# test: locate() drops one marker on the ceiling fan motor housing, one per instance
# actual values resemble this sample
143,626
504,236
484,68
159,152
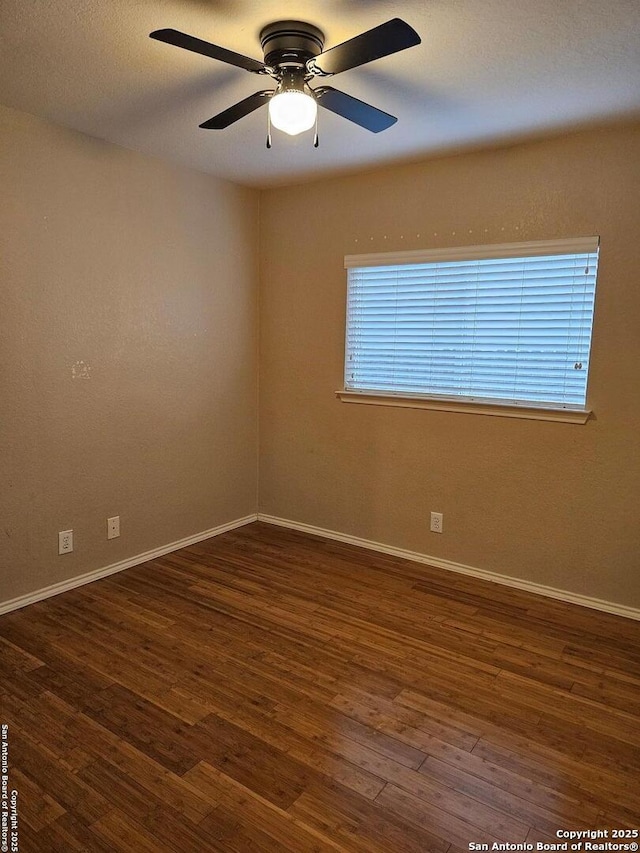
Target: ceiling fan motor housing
290,44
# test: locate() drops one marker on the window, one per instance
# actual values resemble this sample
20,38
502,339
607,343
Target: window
508,324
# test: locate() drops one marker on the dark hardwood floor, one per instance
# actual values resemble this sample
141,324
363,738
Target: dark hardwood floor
272,691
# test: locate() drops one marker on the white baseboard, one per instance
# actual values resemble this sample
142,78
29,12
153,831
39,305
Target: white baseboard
80,580
414,556
438,562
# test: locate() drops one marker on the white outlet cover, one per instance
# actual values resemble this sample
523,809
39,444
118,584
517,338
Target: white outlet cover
65,541
113,527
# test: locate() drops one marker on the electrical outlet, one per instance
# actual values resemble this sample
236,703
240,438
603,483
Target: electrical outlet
436,522
65,541
113,527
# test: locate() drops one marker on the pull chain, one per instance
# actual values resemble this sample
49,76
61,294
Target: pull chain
315,136
268,129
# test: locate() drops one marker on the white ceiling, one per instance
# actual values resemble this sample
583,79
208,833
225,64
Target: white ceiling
487,70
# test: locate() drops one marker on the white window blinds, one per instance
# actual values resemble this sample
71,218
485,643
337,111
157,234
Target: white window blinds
508,323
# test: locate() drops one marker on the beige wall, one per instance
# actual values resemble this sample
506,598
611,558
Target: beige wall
552,503
148,274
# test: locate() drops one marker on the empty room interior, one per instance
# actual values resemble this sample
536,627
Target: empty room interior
319,444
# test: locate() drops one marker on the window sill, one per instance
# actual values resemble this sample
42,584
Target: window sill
501,410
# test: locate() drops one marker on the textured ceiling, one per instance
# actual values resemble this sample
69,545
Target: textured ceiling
486,71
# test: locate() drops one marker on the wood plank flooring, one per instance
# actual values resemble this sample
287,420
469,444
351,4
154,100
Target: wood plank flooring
272,691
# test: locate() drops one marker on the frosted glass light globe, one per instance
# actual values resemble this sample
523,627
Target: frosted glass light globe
293,112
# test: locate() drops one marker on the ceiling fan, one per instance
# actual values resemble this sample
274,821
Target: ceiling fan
293,56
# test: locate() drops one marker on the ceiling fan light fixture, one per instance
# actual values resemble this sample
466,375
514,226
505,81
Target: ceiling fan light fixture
293,55
292,111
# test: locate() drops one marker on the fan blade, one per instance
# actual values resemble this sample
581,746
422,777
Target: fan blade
381,41
371,118
238,111
207,49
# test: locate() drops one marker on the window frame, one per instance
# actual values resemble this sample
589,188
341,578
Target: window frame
569,413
